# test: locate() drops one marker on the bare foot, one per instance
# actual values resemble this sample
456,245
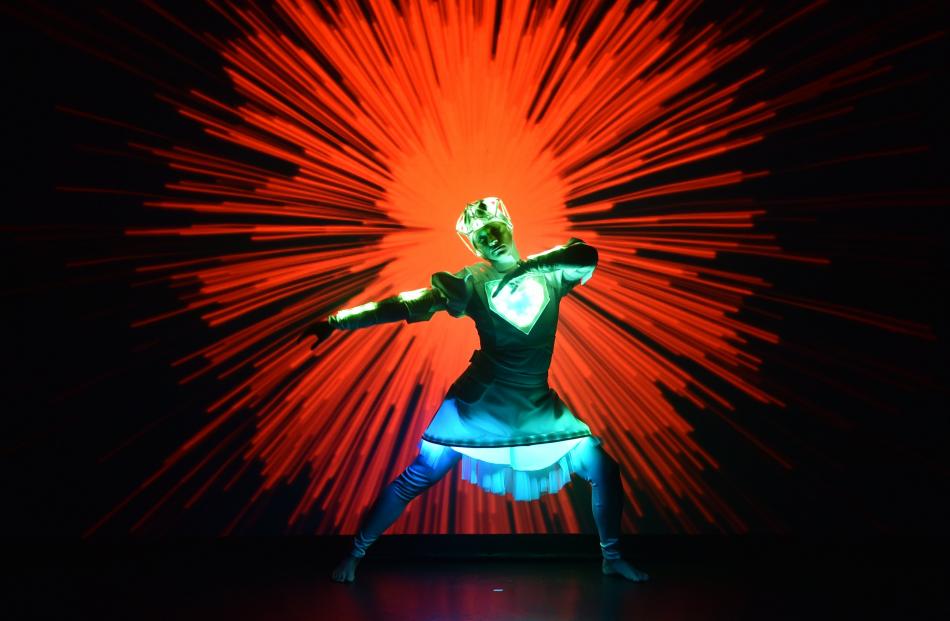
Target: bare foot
623,569
346,570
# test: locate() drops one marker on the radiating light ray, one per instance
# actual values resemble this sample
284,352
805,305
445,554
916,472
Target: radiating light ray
390,123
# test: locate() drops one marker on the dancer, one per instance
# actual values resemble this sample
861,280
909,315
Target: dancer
500,418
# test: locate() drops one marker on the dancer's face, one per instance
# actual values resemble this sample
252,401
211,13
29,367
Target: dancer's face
493,241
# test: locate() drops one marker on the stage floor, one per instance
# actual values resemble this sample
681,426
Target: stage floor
274,579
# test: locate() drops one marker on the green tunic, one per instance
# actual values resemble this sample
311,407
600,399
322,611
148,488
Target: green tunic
503,398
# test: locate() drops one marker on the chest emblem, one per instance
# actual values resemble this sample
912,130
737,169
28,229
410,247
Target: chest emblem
522,307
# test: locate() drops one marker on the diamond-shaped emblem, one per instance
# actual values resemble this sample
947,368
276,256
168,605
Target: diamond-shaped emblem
523,306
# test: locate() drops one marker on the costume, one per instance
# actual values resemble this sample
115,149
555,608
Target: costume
514,432
500,417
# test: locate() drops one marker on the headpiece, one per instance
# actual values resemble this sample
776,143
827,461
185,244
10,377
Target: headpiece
479,213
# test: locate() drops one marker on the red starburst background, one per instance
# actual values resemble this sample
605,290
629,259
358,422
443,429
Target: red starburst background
340,148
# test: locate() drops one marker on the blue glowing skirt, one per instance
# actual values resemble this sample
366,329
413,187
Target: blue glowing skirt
515,434
523,472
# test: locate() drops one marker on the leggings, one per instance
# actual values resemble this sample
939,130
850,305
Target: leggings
596,467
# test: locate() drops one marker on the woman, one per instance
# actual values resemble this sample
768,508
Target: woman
500,418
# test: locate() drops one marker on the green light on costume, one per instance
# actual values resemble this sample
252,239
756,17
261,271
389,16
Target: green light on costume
415,294
546,252
356,310
523,306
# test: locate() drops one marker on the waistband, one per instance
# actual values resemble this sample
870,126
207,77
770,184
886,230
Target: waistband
493,370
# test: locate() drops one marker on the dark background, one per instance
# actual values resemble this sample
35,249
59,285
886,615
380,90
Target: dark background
92,407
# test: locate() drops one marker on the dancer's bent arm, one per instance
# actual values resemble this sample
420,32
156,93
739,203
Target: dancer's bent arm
575,260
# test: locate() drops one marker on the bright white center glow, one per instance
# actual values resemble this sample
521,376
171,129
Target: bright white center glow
521,307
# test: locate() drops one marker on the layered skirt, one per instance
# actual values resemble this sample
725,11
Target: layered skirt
515,435
509,477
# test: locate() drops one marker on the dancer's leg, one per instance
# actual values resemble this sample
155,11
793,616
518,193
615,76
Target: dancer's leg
389,505
606,491
415,479
603,474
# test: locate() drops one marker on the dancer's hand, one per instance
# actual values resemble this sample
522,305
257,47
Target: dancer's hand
513,277
320,329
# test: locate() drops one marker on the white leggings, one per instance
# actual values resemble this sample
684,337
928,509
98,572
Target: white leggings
597,468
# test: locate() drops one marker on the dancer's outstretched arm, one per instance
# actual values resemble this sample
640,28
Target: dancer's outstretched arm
411,306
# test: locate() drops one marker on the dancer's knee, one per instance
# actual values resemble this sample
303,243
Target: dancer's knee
414,480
